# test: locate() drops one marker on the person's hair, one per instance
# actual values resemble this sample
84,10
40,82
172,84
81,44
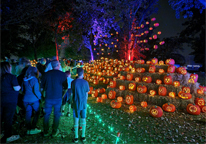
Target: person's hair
54,58
43,61
54,63
67,73
31,71
80,71
5,68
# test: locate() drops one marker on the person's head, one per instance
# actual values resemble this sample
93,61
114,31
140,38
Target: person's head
80,72
31,72
5,68
24,61
68,73
55,64
54,58
43,61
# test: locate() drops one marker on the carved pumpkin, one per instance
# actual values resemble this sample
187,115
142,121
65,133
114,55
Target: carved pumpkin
115,104
120,99
190,80
158,81
161,71
105,81
104,96
132,108
167,80
132,86
203,87
90,90
168,107
154,61
137,79
147,79
129,77
194,77
152,69
171,69
162,91
141,70
99,99
114,78
181,70
184,95
112,94
121,87
199,101
152,92
156,111
144,104
126,69
122,77
129,99
193,109
203,108
94,93
172,94
141,89
186,89
161,62
170,61
176,83
113,84
200,91
101,90
148,62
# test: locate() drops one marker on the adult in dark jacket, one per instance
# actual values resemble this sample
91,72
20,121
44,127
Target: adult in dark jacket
31,98
9,96
53,82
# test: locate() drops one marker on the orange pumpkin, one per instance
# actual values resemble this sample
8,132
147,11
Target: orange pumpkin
167,80
152,92
171,69
203,108
170,61
112,94
101,90
121,87
161,71
144,104
156,111
129,77
113,84
132,86
158,81
161,62
162,91
132,108
122,77
90,90
199,101
154,61
141,89
141,70
152,69
193,109
194,77
172,94
168,107
186,89
137,79
120,99
184,95
147,79
104,96
105,81
200,91
129,99
94,93
99,99
148,62
176,83
115,104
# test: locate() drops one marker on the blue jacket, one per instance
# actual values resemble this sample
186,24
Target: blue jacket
31,90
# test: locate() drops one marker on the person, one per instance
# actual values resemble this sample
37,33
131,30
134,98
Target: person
9,96
67,96
80,89
49,66
32,96
23,62
41,66
53,82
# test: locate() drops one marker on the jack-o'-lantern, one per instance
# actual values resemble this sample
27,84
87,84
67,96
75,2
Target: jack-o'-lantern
90,90
171,69
199,101
147,79
113,84
190,80
104,96
105,81
141,89
183,95
152,92
121,87
194,77
148,62
170,62
172,94
161,62
203,87
144,104
137,79
101,79
152,69
120,99
168,107
129,77
132,108
101,90
186,89
129,99
176,83
94,93
95,82
200,91
193,109
114,78
99,99
115,104
141,70
161,71
162,91
132,86
203,108
158,81
122,77
125,69
112,94
133,70
156,111
167,80
154,61
181,70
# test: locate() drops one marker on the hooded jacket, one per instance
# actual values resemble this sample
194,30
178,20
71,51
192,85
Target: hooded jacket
31,90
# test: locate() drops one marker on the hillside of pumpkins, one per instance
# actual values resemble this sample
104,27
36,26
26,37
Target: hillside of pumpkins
145,102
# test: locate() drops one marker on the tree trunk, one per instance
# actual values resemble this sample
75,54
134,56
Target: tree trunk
56,43
91,44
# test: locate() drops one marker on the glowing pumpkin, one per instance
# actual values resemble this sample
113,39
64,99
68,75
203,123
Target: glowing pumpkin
168,107
156,111
148,62
162,91
101,90
154,61
171,69
152,69
147,79
170,62
104,96
137,79
161,62
200,91
184,95
113,84
144,104
161,71
186,89
172,94
94,93
199,101
121,87
120,99
193,109
203,108
112,94
99,99
132,86
90,90
176,83
152,92
129,99
132,108
194,77
115,104
122,77
141,70
167,80
141,89
129,77
158,81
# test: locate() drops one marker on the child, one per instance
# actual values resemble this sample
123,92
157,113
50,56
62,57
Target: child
67,97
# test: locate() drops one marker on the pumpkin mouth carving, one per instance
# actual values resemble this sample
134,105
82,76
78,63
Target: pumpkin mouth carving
193,109
154,112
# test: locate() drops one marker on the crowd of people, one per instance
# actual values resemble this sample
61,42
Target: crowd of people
36,89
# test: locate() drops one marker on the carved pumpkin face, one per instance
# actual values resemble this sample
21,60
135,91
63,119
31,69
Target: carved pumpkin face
191,80
137,79
172,94
183,95
199,101
171,69
132,108
129,77
112,84
115,104
144,104
148,62
133,70
154,61
95,82
203,108
176,83
94,93
122,77
147,79
112,94
170,62
194,77
129,99
193,109
168,80
101,90
158,81
141,70
168,107
186,89
161,71
121,87
156,111
99,99
152,69
162,91
141,89
104,96
120,99
200,91
132,86
152,92
90,90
